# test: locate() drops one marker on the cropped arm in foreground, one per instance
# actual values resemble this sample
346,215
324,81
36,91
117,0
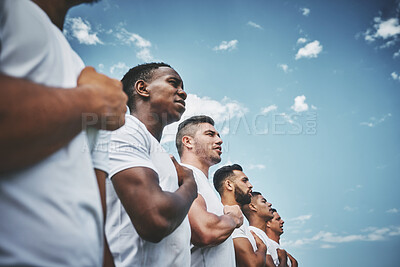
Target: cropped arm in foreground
209,229
154,213
246,256
37,120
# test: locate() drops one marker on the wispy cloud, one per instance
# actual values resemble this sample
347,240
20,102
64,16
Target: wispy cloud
305,11
133,39
374,121
81,30
221,111
394,210
284,67
395,76
311,50
254,25
350,209
328,238
301,218
226,45
256,166
269,109
299,104
301,40
119,69
396,54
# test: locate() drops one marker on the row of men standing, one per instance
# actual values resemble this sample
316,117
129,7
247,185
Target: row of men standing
158,212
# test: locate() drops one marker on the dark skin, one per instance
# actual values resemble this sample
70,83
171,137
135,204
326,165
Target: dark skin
38,120
156,213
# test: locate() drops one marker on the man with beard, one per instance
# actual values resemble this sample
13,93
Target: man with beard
258,212
199,147
234,188
274,230
49,198
149,194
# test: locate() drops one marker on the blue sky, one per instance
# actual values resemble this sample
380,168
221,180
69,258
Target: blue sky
305,94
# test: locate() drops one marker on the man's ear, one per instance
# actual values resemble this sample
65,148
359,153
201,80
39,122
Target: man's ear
252,207
268,224
229,185
187,141
141,88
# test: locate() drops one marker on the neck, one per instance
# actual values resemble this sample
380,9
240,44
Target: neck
273,236
229,199
56,10
258,222
153,124
191,159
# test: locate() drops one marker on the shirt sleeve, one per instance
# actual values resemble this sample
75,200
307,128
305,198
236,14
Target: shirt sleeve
100,151
129,147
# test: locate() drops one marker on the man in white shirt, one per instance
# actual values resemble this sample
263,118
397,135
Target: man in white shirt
258,212
211,223
274,230
235,188
49,198
149,194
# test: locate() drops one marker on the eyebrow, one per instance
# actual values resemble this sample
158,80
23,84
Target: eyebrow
176,79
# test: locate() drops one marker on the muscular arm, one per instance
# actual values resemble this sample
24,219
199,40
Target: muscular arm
101,176
154,213
37,120
246,256
207,228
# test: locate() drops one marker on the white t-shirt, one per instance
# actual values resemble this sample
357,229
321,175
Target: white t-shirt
51,210
133,146
272,246
224,253
244,231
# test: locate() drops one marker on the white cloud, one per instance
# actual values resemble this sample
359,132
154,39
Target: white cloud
327,246
268,109
254,25
81,30
374,121
395,76
314,107
221,111
394,210
326,239
388,30
256,166
305,11
299,104
311,50
301,40
119,69
225,45
140,43
350,209
301,218
284,67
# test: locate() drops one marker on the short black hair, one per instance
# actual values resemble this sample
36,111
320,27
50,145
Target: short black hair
140,72
224,173
186,128
273,210
255,193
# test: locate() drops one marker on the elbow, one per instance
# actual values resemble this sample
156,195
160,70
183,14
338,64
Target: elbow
154,230
203,239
